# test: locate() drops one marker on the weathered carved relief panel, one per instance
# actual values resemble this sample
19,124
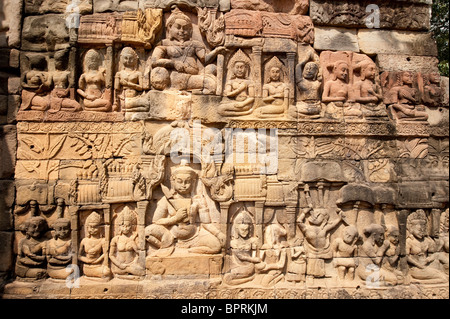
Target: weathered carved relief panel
213,143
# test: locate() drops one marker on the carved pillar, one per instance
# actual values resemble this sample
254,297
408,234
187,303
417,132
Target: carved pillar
259,215
220,71
290,213
257,69
291,74
75,231
224,211
141,210
107,220
402,219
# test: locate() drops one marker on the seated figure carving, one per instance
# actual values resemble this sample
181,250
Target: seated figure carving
93,249
406,106
36,84
124,251
244,264
421,251
92,84
181,220
239,93
182,63
31,259
129,84
367,92
62,96
59,250
336,92
344,253
275,91
309,84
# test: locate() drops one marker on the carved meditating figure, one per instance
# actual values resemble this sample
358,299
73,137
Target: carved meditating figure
93,251
274,255
36,85
406,100
432,92
344,253
239,92
182,63
371,256
124,251
92,84
182,220
59,250
63,95
367,92
275,91
31,261
244,262
129,84
317,230
420,251
336,92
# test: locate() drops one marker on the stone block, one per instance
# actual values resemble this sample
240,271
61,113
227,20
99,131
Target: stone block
404,62
396,42
45,33
336,39
6,256
8,151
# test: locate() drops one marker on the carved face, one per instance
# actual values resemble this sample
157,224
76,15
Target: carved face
378,237
275,74
92,229
181,30
240,70
418,229
350,234
92,62
126,227
311,70
435,78
407,78
182,183
341,71
35,227
370,71
128,60
243,230
393,237
317,216
62,231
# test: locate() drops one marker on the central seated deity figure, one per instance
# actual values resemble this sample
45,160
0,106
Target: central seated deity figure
181,220
182,63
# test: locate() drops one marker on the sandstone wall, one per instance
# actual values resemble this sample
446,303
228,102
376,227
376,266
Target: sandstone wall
222,149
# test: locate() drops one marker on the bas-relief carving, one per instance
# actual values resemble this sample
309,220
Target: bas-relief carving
139,215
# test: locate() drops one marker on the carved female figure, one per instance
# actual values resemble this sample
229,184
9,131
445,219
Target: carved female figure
183,216
367,91
275,91
309,84
59,250
392,255
61,99
296,268
443,242
243,261
30,262
432,91
274,255
336,91
36,85
372,253
239,90
91,86
406,99
124,251
93,249
344,253
129,84
184,58
420,250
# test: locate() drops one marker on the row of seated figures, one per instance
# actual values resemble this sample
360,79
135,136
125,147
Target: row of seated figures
184,237
334,85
